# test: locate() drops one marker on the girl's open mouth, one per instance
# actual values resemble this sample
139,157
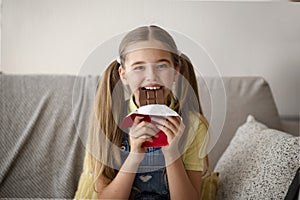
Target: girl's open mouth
152,88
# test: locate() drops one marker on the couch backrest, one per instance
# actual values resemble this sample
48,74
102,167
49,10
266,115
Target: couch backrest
44,127
244,96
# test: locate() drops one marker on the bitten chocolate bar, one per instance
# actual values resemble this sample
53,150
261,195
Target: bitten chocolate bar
151,97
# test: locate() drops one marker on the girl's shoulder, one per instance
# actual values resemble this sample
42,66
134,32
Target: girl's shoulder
197,119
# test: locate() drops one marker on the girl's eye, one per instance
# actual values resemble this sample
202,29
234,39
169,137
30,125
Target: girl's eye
162,66
139,67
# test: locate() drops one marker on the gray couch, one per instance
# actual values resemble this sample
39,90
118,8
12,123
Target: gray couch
44,128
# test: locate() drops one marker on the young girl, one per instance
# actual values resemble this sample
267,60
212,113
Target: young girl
117,164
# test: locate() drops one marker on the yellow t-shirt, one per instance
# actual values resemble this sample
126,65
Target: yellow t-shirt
193,156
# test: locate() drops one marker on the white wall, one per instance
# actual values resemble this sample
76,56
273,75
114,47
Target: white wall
243,38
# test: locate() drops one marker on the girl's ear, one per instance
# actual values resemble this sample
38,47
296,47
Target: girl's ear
122,75
177,68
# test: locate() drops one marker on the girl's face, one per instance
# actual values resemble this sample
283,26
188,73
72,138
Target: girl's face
148,69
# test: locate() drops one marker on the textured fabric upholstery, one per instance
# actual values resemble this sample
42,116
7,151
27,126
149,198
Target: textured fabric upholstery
41,151
244,96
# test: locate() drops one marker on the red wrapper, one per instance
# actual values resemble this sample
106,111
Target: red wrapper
146,112
159,141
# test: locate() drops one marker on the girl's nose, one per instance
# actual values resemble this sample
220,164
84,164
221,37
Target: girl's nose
151,74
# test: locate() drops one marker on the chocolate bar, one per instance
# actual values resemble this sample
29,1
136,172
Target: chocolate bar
151,97
146,97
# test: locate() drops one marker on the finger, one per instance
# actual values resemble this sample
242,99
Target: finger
170,135
158,120
144,128
142,139
172,123
148,125
145,131
137,120
137,144
163,122
143,136
174,120
171,127
177,123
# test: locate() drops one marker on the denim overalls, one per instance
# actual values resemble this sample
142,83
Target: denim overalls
151,180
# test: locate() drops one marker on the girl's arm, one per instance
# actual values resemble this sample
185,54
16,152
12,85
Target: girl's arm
183,184
120,186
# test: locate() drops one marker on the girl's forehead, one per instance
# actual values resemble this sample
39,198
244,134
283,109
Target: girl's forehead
151,44
148,55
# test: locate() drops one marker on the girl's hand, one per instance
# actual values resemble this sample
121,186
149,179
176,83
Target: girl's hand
140,132
173,128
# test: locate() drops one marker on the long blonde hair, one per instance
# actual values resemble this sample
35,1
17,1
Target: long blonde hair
108,111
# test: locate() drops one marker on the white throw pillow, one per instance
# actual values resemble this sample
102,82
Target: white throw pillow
259,163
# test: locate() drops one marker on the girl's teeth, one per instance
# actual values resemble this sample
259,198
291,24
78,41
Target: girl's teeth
152,88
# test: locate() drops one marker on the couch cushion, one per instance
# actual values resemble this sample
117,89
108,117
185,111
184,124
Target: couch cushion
259,163
244,96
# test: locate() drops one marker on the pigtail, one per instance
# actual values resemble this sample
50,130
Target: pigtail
104,130
188,87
